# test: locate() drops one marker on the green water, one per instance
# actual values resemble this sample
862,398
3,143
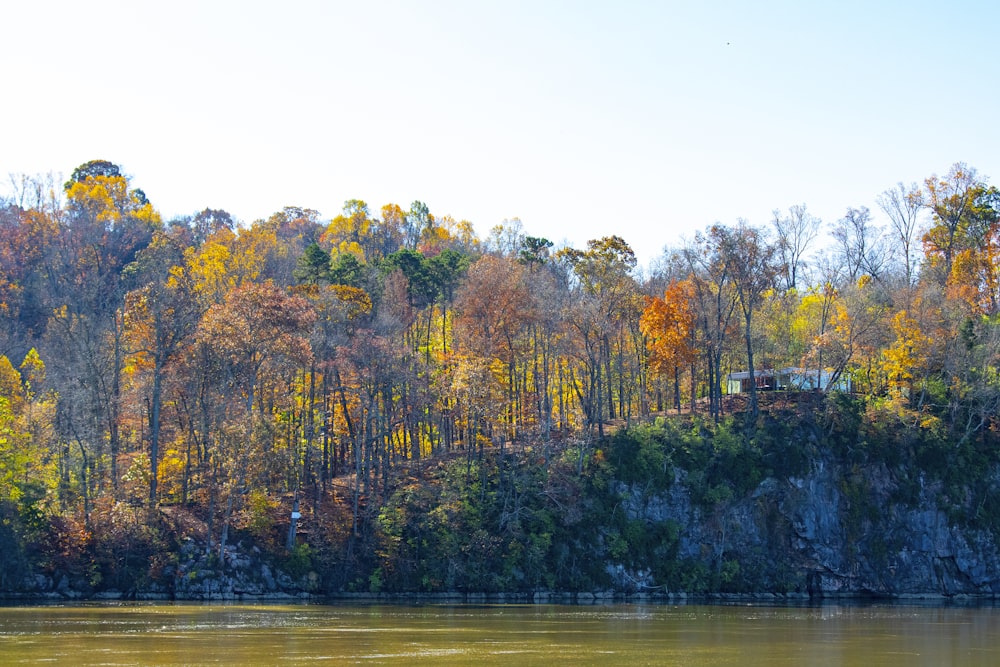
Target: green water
347,634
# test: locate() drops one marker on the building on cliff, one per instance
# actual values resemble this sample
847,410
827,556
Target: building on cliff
787,379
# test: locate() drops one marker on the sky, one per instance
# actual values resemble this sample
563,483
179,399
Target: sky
649,120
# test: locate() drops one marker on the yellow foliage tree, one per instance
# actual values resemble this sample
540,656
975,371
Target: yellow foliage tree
10,385
901,358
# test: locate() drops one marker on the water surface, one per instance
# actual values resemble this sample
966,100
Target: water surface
349,634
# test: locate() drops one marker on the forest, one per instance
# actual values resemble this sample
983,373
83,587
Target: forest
199,368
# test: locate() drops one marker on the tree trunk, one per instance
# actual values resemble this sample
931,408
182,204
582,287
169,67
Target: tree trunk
753,380
154,427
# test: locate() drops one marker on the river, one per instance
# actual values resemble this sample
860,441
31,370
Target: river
437,634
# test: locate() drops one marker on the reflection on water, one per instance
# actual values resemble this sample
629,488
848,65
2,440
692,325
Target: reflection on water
192,634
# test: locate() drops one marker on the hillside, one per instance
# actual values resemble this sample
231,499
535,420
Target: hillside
452,413
822,496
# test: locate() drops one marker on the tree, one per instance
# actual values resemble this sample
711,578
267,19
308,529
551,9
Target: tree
313,267
962,211
93,169
668,324
228,260
796,232
607,300
860,245
27,240
901,359
257,324
89,271
494,309
159,317
750,260
548,285
347,269
446,270
15,457
814,320
388,232
902,205
420,283
716,301
293,229
858,333
115,221
506,239
418,222
351,230
37,192
534,250
259,327
962,245
209,222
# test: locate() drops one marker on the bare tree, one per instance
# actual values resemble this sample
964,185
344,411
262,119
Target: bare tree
903,205
39,191
796,232
716,302
860,245
506,239
745,249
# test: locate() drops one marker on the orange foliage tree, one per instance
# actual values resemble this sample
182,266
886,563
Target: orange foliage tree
668,324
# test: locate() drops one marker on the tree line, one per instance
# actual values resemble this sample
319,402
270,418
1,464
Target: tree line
197,360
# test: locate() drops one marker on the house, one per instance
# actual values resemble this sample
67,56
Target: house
786,379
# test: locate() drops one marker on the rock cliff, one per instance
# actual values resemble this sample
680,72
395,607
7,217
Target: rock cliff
835,531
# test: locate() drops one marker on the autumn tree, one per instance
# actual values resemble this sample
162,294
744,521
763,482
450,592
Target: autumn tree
494,310
15,455
813,320
971,362
159,316
258,329
341,310
350,232
93,169
294,229
104,227
858,333
668,324
257,324
388,232
607,298
962,211
209,222
229,260
549,293
26,250
901,359
962,245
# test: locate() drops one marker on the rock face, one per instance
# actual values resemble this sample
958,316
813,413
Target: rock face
197,575
834,532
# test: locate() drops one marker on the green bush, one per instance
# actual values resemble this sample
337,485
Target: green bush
299,561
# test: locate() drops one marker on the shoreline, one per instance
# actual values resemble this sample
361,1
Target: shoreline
525,598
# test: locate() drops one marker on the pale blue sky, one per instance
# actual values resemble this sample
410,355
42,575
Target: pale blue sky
649,120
